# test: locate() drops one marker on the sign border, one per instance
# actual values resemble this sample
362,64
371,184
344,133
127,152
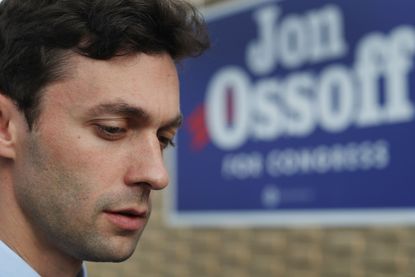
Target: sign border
254,219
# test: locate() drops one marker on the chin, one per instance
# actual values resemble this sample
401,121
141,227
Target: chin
117,259
109,257
115,252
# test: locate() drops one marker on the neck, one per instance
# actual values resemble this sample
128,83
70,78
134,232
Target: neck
22,237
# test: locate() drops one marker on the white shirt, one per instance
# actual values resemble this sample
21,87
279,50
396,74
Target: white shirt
12,265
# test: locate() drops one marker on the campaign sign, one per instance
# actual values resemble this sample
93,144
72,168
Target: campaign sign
302,112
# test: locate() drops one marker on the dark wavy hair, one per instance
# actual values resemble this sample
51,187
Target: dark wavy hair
37,35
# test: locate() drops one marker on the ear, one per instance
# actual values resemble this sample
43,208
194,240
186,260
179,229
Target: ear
10,117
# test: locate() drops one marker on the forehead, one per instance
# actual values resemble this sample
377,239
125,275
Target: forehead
146,81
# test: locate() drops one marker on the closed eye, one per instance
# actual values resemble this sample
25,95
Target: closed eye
110,132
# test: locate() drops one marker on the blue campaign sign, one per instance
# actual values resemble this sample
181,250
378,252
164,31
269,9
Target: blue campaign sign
302,112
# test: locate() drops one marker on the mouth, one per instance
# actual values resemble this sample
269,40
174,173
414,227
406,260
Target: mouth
127,219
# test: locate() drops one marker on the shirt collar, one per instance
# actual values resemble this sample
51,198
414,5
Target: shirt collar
12,264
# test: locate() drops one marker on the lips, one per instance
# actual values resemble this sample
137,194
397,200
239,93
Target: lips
129,219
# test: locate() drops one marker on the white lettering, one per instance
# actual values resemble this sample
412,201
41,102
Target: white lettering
299,102
371,66
260,53
242,166
315,36
366,155
267,117
402,49
231,82
293,42
374,91
336,99
326,27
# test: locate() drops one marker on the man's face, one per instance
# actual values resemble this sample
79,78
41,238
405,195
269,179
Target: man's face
83,175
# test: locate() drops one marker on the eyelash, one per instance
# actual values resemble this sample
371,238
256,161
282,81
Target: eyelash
166,142
110,132
113,133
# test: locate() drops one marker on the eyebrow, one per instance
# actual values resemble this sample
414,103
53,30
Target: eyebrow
133,112
174,123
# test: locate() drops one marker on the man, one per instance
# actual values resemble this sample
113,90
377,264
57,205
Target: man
89,100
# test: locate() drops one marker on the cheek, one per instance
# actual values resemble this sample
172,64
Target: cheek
49,193
55,169
77,150
99,164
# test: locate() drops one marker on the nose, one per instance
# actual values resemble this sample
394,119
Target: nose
147,165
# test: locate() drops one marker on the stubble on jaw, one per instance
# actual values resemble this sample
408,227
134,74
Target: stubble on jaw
55,200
